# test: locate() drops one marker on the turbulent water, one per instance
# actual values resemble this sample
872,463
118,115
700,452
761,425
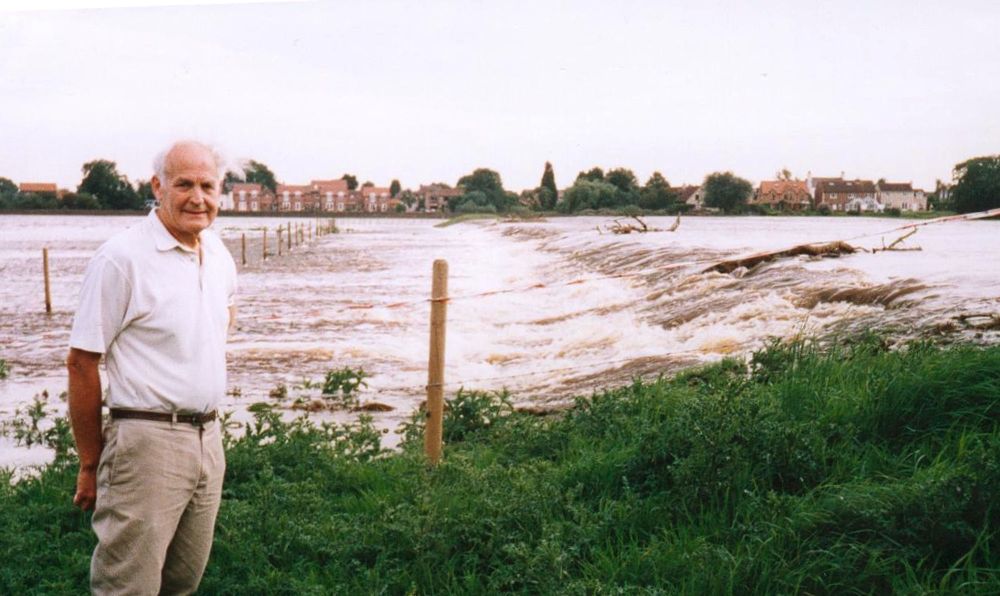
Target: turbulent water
546,309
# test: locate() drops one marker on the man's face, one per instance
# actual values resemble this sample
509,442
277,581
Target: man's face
189,197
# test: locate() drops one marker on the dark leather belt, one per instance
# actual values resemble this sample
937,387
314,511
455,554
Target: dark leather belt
197,419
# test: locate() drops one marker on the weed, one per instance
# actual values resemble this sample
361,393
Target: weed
341,386
4,369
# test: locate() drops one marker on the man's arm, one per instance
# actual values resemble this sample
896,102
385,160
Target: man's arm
85,418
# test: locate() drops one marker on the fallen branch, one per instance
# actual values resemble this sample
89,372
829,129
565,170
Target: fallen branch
831,249
893,245
642,227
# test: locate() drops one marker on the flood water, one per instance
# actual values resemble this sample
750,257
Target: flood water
546,309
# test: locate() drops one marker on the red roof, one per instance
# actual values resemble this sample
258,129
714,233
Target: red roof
330,185
39,187
783,186
294,188
846,186
897,186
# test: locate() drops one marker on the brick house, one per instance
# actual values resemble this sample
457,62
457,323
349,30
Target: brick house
40,188
248,197
331,195
375,199
790,195
902,196
838,194
435,196
296,197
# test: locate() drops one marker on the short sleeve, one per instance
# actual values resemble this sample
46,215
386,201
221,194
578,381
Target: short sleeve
104,300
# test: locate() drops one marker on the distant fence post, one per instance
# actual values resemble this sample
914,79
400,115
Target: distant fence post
289,228
435,363
243,248
263,250
45,268
279,240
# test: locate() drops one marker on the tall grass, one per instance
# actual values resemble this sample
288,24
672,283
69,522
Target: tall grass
841,469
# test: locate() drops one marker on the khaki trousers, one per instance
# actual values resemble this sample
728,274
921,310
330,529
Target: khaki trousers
159,486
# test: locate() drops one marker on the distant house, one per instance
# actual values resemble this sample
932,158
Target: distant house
783,195
332,195
685,192
376,199
295,197
696,198
40,188
247,197
435,196
902,196
838,194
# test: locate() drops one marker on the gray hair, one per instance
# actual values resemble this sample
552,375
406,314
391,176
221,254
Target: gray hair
160,162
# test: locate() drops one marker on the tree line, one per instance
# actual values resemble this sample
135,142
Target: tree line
976,187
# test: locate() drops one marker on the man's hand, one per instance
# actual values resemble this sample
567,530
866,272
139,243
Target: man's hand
86,489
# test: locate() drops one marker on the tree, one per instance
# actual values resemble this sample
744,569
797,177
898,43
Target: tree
489,183
254,172
7,187
588,194
394,188
145,191
623,179
726,191
977,184
73,200
593,174
352,181
368,184
783,174
547,201
113,190
657,194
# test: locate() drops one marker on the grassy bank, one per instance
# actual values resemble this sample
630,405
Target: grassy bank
847,469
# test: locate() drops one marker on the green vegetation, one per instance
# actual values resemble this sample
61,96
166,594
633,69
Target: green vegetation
4,369
850,468
483,192
594,190
977,184
254,172
727,192
341,385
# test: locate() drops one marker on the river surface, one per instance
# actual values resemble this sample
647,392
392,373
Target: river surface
546,309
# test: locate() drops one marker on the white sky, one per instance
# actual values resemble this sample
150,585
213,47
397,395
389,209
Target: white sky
429,90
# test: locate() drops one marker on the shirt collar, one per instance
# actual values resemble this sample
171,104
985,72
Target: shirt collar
161,236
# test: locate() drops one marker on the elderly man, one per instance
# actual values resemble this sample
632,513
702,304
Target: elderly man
157,302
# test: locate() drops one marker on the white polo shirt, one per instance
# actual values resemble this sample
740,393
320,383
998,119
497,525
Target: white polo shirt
160,317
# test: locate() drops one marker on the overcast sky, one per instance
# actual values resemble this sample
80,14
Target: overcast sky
427,91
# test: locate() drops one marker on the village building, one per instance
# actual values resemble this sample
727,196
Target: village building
376,199
791,195
902,196
435,196
296,197
332,195
40,188
249,197
696,197
847,195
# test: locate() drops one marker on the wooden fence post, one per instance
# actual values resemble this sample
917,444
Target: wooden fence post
279,240
435,363
289,228
263,250
243,248
48,294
